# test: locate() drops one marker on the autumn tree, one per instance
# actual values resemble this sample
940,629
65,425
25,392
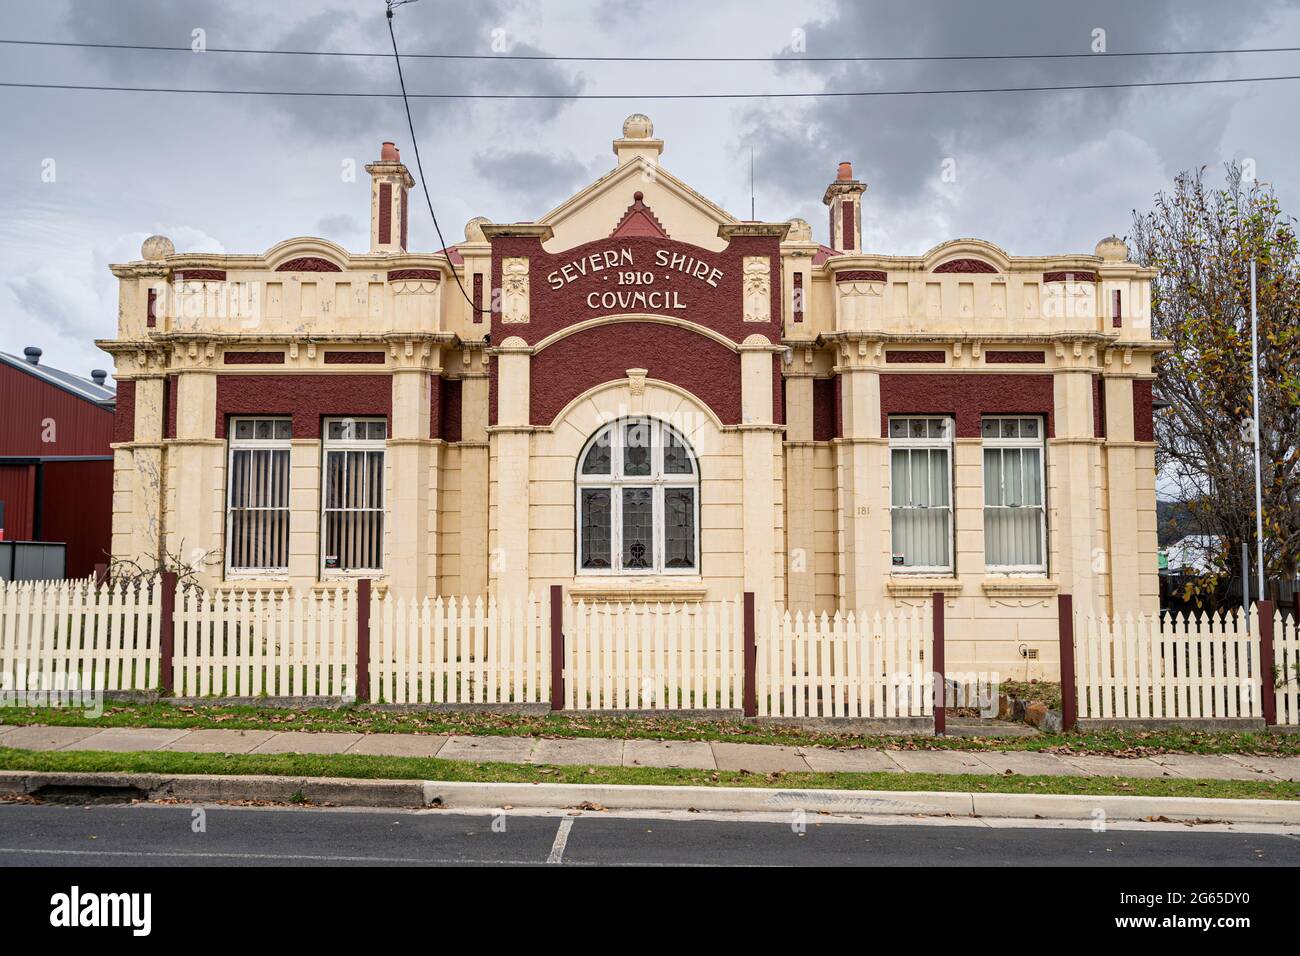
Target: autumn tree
1202,240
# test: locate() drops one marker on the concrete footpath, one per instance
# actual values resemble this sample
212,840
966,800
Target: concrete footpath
603,752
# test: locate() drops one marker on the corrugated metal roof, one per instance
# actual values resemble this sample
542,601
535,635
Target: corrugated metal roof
81,387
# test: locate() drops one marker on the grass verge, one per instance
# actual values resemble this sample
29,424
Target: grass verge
421,768
361,719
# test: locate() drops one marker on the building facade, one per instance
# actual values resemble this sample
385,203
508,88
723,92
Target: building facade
640,397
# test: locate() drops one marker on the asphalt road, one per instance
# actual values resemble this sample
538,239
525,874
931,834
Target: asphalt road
164,835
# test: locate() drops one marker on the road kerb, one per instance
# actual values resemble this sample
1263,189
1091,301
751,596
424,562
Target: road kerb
351,792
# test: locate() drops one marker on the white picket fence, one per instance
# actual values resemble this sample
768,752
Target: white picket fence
1164,667
648,656
846,666
73,636
274,644
453,652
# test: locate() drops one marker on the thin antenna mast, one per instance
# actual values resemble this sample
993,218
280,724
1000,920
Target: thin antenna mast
751,184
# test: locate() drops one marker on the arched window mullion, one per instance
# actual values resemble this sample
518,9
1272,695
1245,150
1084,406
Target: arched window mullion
616,484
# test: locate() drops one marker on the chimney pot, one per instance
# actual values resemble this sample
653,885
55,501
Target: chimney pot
32,354
388,153
846,171
98,376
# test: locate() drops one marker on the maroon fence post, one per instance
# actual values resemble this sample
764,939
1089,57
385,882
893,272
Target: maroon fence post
363,640
1069,683
940,684
1266,677
167,631
101,574
557,647
751,659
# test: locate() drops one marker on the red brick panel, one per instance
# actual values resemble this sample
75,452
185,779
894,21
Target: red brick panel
1098,407
253,358
124,415
966,397
778,391
354,358
1143,414
306,398
1014,358
908,356
718,306
169,406
449,409
565,369
825,426
385,213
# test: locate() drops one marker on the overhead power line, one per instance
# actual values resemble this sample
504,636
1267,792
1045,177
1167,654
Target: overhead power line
358,94
419,166
547,57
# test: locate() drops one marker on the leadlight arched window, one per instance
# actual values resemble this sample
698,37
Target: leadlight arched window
638,501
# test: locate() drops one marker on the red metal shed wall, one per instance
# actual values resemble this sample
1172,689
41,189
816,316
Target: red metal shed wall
80,427
77,507
18,491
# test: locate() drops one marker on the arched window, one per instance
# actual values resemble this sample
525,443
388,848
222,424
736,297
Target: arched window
638,501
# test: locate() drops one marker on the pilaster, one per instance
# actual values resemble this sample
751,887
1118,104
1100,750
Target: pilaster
512,438
760,444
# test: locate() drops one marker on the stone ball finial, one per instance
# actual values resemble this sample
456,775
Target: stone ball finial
1113,249
157,247
474,229
800,231
638,126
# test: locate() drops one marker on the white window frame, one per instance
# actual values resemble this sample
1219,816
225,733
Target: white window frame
235,446
352,443
947,444
1039,443
658,481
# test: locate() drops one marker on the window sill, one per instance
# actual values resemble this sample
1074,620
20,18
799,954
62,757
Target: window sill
903,585
651,588
1020,585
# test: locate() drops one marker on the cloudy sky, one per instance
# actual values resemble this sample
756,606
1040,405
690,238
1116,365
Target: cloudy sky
85,176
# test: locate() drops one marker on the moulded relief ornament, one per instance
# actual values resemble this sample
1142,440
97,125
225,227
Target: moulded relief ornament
757,272
514,289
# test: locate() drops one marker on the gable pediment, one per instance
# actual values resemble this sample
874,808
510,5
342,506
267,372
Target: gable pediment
610,207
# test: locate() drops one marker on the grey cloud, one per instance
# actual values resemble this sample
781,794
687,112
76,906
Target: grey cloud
348,231
338,27
544,178
898,144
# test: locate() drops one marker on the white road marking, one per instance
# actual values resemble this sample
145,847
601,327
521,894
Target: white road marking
733,816
177,854
561,840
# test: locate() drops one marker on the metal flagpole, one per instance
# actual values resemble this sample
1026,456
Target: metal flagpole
1259,492
1245,577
